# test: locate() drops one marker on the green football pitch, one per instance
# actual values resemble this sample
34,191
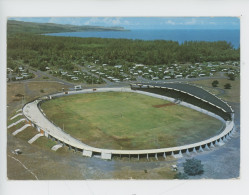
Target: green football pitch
121,120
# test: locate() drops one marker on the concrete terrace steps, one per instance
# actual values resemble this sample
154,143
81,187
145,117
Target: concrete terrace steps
56,147
33,114
35,138
13,124
20,110
19,114
21,129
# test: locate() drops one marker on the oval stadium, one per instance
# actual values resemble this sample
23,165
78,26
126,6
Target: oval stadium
141,121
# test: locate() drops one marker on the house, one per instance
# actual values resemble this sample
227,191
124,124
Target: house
19,78
77,87
118,66
63,73
167,77
9,69
155,78
139,65
75,78
179,76
25,74
116,80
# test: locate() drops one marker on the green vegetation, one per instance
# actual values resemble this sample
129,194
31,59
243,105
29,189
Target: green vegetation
231,77
129,121
227,86
232,95
44,142
215,83
181,176
15,127
40,51
193,167
27,133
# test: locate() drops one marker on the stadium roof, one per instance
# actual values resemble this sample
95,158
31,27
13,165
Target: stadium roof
195,91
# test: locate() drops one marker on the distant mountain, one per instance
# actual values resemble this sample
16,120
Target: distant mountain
14,26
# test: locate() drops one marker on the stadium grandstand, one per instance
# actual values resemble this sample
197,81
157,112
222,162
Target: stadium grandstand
190,94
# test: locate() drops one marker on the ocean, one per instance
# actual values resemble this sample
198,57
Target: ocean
232,36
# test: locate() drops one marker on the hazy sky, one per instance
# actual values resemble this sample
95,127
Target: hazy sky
145,22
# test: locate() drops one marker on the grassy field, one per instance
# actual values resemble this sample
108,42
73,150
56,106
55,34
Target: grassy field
30,91
231,95
128,121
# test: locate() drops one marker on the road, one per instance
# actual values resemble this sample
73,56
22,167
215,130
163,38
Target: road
40,74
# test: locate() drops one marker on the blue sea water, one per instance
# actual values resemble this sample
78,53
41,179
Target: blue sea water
232,36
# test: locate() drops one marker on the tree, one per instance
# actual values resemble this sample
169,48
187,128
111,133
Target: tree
227,86
215,83
231,77
181,176
193,167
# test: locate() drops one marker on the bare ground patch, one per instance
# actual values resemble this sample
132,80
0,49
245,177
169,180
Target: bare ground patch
164,105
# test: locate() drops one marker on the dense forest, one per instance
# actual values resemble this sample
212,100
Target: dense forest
40,51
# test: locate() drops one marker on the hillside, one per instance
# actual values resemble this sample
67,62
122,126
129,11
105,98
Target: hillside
40,28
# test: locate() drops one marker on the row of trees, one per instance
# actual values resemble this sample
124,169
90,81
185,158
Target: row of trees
40,51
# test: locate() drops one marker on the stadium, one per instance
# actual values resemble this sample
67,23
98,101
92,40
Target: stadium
179,94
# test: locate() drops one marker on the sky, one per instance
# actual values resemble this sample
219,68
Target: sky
144,22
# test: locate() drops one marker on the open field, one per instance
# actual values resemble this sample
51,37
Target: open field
19,93
129,121
231,95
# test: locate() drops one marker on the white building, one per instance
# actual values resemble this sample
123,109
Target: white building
167,77
179,76
77,87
